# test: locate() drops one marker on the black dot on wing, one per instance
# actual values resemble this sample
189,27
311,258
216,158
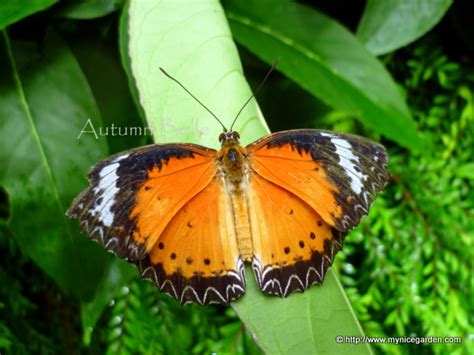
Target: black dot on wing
312,235
291,211
207,261
301,244
287,250
320,223
148,188
190,225
99,200
173,256
189,260
161,245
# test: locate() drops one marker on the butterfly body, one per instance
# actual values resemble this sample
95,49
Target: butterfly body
190,217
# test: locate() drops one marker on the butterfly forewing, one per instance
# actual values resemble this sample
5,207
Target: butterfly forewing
337,174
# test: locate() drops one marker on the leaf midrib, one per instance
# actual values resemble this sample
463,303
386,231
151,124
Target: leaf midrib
34,132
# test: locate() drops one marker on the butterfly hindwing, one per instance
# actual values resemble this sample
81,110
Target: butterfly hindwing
337,174
202,265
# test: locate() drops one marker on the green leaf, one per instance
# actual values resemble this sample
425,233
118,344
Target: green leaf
12,11
87,9
44,103
193,43
391,24
325,59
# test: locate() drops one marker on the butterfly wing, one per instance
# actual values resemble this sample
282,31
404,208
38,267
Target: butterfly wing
293,246
311,187
137,197
202,265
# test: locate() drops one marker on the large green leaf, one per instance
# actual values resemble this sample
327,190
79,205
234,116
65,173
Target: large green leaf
12,11
325,59
44,104
192,41
390,24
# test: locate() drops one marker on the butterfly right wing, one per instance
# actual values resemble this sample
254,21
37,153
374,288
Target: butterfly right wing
307,189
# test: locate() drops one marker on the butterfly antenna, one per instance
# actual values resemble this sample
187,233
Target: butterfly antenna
277,61
194,97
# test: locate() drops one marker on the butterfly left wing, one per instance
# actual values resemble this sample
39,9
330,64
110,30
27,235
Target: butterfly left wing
307,189
163,208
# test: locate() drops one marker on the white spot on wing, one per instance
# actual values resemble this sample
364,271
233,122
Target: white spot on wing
347,160
108,189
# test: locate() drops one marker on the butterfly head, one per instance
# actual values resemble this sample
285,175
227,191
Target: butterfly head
227,137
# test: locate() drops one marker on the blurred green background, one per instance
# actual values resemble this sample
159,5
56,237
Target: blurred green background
407,269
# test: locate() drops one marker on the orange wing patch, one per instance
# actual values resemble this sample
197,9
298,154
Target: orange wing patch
300,175
293,245
165,191
196,258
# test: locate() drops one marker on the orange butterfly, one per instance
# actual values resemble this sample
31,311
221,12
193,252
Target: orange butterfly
191,216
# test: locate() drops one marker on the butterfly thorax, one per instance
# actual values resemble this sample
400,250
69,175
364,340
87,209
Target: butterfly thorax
232,162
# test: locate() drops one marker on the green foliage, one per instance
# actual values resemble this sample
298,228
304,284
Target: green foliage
12,11
417,242
407,268
140,320
343,73
42,185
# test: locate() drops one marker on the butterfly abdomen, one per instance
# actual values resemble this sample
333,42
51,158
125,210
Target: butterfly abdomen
242,226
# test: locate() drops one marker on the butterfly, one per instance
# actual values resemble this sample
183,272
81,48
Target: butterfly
190,217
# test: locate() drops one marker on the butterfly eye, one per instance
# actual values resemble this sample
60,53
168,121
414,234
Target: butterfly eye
236,135
221,137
